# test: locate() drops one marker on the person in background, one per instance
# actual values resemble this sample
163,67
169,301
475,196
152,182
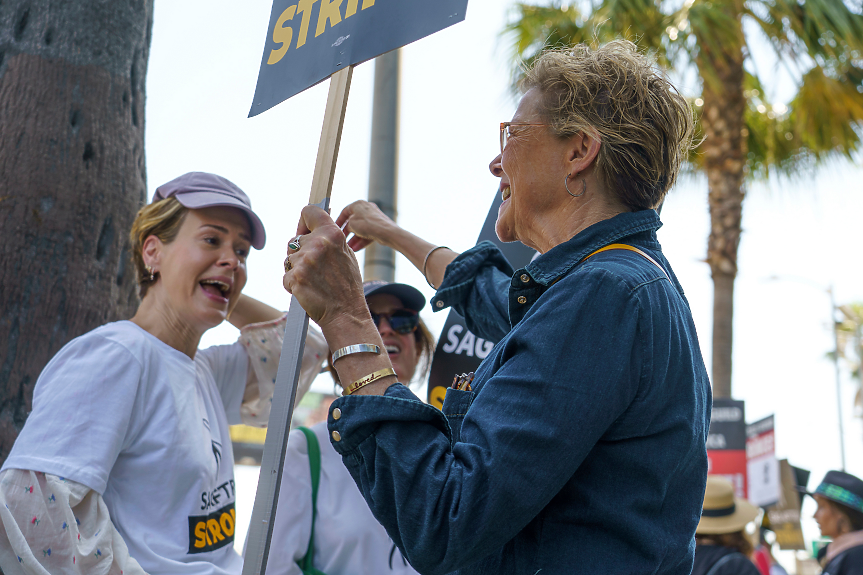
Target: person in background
125,464
840,517
579,444
763,557
348,540
721,545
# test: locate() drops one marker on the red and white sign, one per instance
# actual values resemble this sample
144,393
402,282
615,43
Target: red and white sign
726,443
762,467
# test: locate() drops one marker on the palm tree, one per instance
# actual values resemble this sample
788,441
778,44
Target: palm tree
820,42
849,333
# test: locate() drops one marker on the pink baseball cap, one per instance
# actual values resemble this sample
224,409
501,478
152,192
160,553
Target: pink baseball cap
203,190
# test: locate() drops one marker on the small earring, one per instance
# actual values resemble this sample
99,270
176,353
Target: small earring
151,272
583,187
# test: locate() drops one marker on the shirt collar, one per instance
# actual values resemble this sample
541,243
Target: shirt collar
559,260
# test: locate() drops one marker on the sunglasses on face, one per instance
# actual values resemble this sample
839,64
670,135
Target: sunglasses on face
401,321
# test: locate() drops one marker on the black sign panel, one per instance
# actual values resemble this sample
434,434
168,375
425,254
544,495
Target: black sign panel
310,40
727,425
458,350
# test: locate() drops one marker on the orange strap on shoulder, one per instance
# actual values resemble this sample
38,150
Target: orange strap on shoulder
632,249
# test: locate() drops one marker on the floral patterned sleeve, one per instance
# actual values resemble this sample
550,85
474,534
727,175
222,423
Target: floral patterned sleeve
51,525
263,344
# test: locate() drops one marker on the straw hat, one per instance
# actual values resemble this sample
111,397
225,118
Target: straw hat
722,512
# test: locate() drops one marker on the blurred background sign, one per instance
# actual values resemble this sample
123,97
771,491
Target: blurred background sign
458,350
784,517
309,40
762,468
726,443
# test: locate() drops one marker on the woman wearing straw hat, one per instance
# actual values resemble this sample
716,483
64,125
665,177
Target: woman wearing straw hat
721,546
840,517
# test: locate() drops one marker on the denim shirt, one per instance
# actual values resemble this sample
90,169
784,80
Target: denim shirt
580,449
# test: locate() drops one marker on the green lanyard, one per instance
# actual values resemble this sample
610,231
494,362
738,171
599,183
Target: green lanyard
315,466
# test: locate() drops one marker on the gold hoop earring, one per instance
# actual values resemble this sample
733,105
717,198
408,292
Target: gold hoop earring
583,187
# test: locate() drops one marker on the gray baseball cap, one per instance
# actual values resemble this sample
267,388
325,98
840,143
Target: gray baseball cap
203,190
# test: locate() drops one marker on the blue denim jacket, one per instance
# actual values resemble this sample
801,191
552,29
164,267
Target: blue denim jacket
580,450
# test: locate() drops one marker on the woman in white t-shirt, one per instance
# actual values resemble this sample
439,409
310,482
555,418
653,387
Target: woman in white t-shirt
125,464
348,540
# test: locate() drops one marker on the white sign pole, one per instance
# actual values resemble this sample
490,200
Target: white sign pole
267,497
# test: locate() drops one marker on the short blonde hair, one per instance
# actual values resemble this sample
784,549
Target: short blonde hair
614,93
161,219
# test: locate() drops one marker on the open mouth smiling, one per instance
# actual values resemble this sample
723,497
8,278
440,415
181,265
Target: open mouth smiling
216,287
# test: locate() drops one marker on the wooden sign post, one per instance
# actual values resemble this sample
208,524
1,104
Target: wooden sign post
297,56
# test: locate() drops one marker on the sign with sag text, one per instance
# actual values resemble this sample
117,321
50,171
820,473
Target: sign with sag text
309,40
458,349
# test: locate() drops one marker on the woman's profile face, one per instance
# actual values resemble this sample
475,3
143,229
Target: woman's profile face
401,347
203,271
531,169
830,519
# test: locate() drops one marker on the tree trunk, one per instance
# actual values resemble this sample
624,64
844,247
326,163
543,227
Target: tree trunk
724,151
72,177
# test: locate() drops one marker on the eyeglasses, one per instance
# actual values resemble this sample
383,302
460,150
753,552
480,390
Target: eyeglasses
403,321
504,131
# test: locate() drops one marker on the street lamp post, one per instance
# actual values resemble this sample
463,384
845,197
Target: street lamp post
835,327
833,309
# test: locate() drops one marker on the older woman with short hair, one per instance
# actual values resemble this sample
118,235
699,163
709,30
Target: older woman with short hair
578,446
125,464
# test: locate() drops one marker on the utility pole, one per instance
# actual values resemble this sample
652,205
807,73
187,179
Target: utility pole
838,376
380,261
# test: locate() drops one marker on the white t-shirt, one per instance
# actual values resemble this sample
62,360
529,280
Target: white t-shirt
137,421
348,538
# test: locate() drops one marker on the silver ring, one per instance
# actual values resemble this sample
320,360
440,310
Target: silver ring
294,244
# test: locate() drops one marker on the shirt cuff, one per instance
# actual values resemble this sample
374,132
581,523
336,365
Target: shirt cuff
353,418
462,272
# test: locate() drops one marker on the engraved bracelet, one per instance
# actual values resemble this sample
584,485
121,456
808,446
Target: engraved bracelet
371,378
426,261
358,348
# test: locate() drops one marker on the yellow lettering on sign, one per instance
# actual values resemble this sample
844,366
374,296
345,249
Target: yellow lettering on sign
200,534
368,4
282,35
437,396
352,8
214,528
329,11
305,6
227,523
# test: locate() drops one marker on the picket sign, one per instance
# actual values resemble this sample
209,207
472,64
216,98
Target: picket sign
272,461
307,42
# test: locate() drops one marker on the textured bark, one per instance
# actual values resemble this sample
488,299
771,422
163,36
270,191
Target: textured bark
724,150
72,177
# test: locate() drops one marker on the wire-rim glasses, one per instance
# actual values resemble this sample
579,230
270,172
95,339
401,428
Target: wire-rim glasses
504,131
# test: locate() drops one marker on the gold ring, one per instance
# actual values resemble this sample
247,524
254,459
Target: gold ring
288,265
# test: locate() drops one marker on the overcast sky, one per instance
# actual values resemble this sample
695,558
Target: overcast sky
203,66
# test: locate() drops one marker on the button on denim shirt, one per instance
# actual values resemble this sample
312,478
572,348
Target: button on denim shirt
580,449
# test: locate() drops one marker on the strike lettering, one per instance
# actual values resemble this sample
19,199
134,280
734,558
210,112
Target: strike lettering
282,35
214,528
213,531
305,6
329,11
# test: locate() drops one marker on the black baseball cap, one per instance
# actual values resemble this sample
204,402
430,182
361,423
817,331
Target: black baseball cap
410,296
